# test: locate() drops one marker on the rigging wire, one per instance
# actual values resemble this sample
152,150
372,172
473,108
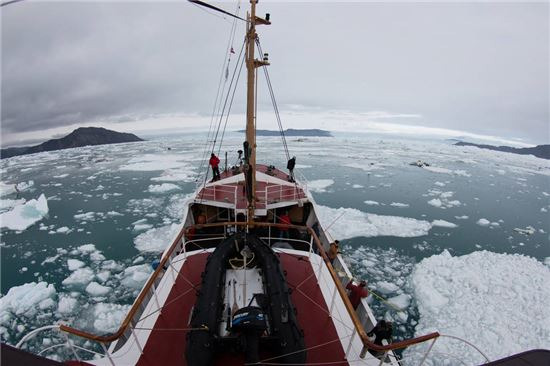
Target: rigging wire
221,82
230,105
274,102
227,96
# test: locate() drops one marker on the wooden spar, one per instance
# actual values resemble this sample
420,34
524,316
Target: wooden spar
250,130
251,65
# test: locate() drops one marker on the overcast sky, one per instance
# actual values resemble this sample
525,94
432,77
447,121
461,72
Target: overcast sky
466,69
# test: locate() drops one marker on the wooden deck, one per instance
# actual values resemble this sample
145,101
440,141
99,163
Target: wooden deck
166,344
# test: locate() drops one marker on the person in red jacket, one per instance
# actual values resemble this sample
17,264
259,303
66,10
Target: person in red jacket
214,162
357,292
284,219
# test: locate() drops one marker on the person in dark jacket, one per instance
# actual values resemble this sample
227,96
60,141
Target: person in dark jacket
214,162
382,330
357,292
290,166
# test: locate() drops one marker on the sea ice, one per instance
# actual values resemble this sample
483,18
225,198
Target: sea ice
399,204
66,304
79,278
134,277
162,188
436,202
319,185
150,162
156,240
24,215
499,302
443,223
372,203
95,289
25,300
107,317
353,223
483,222
74,264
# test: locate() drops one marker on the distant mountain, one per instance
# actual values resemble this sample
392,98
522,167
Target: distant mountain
292,132
83,136
540,151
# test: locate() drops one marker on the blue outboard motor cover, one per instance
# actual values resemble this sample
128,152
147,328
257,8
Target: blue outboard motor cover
249,318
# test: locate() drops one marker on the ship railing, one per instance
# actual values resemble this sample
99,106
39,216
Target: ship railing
209,193
178,247
279,193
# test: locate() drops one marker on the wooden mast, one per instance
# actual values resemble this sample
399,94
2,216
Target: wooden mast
251,65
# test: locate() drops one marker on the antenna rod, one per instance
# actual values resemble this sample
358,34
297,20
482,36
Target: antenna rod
250,130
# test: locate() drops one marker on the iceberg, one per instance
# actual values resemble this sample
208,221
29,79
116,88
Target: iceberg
24,215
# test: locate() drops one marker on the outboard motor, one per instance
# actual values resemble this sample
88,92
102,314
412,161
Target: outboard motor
250,322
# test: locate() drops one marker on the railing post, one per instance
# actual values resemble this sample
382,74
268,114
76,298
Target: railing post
351,342
184,249
280,193
156,300
333,298
107,353
136,338
427,352
269,236
320,270
71,346
310,247
383,358
173,270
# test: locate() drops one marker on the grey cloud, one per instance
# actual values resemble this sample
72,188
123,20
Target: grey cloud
476,67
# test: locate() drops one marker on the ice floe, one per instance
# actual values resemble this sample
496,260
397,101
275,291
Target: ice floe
74,264
156,240
499,302
80,278
154,162
26,300
24,215
371,203
353,223
163,188
443,223
399,204
134,277
95,289
108,317
319,185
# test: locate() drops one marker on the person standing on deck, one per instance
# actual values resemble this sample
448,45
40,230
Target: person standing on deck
333,251
214,162
284,219
290,166
357,292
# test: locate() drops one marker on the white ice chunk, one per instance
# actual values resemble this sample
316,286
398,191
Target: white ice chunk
156,240
109,317
319,185
25,300
95,289
443,223
399,204
162,188
134,277
436,202
353,223
499,302
26,214
74,264
483,222
66,305
79,278
372,203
